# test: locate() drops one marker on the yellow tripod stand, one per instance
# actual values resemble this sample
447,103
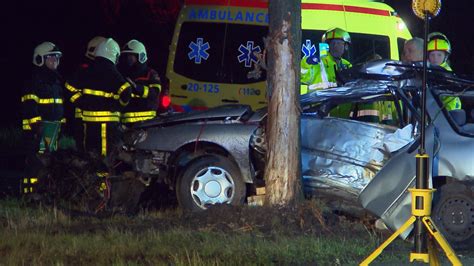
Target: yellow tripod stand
420,209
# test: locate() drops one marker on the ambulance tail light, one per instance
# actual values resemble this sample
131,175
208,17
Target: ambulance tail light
165,101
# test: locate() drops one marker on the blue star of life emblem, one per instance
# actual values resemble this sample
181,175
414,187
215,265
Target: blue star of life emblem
308,48
198,51
247,54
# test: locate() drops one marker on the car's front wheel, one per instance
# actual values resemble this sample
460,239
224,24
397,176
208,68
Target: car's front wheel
209,180
453,213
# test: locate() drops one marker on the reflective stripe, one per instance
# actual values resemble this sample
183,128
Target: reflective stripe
63,120
100,116
78,113
132,117
33,180
103,134
75,97
100,93
100,113
136,119
27,122
100,119
158,86
322,85
71,88
102,174
31,120
145,91
137,114
125,86
41,100
51,101
367,113
122,103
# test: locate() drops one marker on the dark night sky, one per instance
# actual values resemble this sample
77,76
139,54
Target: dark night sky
71,23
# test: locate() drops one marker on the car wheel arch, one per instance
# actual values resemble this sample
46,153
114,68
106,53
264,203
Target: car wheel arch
188,153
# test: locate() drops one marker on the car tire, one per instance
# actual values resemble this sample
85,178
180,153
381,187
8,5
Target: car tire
210,180
453,213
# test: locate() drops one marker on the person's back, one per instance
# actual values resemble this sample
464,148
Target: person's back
101,93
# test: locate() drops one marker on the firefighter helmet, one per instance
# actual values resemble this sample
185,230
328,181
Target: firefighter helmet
336,33
92,46
108,49
45,48
136,47
438,42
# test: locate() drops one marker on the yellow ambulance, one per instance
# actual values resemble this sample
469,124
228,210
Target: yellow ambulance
213,55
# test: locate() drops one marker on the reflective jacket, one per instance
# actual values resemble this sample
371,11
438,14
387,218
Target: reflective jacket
450,102
144,101
42,98
317,77
100,91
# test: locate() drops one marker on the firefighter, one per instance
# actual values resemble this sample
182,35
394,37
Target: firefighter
322,74
75,121
145,80
42,110
101,92
439,49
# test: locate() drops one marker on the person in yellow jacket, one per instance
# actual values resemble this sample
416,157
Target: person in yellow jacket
439,49
323,74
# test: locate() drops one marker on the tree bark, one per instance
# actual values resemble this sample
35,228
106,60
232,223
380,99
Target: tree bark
283,168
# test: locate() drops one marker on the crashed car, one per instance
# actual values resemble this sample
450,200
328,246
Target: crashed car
218,155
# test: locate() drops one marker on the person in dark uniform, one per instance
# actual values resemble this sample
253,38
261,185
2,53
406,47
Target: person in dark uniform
101,93
73,113
42,110
145,80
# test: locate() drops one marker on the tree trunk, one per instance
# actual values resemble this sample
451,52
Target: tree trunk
283,169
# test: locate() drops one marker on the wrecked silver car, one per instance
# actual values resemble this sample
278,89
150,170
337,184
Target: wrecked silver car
218,155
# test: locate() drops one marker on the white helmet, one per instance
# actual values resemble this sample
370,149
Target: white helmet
46,48
108,49
92,46
135,47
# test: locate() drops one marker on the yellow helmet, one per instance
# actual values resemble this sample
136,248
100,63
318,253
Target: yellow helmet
135,47
92,46
438,42
108,49
336,33
45,48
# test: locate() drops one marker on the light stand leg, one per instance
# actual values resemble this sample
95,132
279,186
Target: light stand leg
387,242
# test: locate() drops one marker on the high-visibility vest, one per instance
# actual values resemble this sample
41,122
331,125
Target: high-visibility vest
322,75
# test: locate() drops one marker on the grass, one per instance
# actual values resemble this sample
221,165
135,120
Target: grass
45,235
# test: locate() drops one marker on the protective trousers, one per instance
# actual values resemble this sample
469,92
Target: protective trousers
101,137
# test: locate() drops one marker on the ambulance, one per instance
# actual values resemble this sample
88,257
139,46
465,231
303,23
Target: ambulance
214,60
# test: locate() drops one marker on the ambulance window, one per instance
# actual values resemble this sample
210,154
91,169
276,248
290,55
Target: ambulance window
199,51
365,46
238,58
